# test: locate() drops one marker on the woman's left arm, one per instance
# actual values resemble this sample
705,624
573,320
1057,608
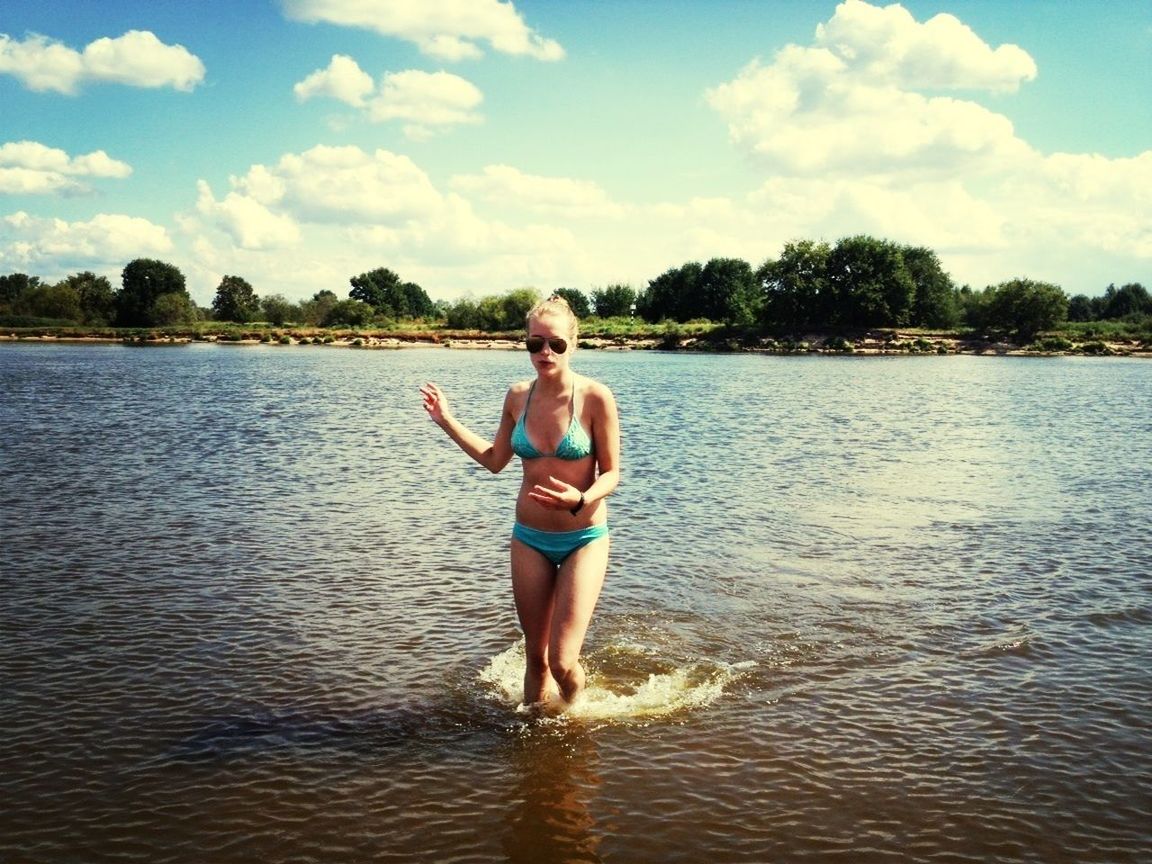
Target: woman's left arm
606,437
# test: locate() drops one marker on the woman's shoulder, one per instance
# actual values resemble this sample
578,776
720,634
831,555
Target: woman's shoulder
519,388
593,390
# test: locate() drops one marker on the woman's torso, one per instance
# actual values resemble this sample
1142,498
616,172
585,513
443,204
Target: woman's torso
563,426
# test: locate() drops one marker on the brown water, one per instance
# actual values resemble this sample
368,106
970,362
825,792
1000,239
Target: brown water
255,608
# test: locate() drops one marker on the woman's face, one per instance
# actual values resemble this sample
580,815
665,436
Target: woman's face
546,360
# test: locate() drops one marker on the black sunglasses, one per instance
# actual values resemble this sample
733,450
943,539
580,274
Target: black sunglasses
535,344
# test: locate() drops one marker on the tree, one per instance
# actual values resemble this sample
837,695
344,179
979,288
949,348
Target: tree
795,287
60,301
143,281
576,300
349,313
870,283
235,301
671,295
464,314
175,307
315,310
1131,299
515,306
14,286
97,299
613,301
1083,308
278,309
1025,307
934,300
384,291
727,291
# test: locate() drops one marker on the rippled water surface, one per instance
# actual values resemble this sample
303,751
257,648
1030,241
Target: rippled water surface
255,608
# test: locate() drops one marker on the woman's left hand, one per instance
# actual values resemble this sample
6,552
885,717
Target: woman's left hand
558,495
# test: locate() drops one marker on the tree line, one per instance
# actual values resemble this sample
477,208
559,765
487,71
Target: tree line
154,294
859,282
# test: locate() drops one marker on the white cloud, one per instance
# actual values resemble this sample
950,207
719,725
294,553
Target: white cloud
137,59
427,101
31,242
325,185
559,196
249,223
854,135
342,80
445,29
28,167
888,46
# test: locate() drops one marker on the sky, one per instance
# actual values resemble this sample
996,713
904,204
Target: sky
478,146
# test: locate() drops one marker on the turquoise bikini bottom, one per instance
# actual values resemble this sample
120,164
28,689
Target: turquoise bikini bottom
558,545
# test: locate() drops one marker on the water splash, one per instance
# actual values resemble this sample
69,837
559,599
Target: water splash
622,691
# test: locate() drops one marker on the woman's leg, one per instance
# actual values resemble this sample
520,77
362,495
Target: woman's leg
533,583
578,585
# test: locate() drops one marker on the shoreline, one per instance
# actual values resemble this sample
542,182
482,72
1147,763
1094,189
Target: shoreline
877,343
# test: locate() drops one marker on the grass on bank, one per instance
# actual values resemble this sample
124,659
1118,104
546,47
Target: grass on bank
1094,337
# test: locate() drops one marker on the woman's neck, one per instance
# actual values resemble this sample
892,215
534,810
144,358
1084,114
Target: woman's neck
555,385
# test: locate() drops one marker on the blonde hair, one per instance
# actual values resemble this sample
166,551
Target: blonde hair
555,305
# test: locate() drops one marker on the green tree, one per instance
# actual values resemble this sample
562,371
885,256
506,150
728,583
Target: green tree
384,291
60,301
1025,307
97,299
1083,308
577,300
795,287
235,301
515,306
14,286
671,295
464,314
727,291
278,310
1130,299
614,301
934,302
349,313
870,283
143,281
315,310
175,307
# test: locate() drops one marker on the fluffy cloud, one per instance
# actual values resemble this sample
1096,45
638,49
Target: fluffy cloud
872,128
426,101
250,224
888,46
324,185
343,79
444,29
31,242
557,196
852,102
31,168
137,59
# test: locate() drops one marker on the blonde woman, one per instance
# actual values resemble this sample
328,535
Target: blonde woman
565,429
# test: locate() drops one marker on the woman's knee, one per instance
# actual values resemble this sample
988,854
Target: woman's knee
563,665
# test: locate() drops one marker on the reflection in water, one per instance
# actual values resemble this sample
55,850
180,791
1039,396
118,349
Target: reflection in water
550,821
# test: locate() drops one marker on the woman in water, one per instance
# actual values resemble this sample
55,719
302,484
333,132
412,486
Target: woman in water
565,429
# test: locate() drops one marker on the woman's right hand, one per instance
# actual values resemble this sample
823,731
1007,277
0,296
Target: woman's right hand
435,403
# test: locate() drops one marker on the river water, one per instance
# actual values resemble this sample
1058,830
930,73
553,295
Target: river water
256,608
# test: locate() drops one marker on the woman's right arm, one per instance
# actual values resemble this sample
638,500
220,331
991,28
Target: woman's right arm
492,455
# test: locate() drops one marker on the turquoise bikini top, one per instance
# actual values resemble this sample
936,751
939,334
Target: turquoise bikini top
576,444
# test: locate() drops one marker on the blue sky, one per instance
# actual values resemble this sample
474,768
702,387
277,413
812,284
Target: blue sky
475,146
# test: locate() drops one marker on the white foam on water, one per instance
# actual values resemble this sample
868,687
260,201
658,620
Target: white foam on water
644,695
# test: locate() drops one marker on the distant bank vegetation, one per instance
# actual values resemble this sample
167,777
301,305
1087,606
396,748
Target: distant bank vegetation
858,284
